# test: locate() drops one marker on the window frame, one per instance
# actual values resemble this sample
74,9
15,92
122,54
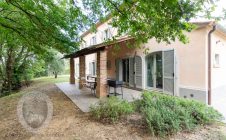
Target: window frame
216,60
107,34
93,40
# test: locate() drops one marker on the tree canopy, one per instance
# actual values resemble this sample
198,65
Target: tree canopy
164,20
31,29
42,23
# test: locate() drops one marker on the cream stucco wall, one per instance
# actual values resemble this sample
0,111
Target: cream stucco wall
76,61
89,58
218,71
99,34
191,58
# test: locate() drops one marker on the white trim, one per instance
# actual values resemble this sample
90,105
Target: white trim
176,74
154,89
175,71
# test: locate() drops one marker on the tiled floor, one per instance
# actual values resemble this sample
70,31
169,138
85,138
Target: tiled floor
84,99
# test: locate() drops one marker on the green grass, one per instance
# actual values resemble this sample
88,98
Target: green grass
51,79
38,82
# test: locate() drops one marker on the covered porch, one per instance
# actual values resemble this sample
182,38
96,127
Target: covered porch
107,66
84,99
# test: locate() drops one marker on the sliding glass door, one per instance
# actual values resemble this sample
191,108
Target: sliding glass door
125,70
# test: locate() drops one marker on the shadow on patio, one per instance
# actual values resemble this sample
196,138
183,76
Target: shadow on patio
83,98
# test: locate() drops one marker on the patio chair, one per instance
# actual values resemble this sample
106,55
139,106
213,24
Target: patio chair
90,82
84,84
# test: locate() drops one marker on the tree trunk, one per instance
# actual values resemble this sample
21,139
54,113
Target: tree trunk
55,73
7,84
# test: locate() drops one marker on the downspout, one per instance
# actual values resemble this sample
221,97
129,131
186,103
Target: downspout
210,64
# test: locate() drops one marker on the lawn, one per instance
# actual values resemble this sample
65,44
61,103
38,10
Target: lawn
69,123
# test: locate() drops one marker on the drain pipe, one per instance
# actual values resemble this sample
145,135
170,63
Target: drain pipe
210,64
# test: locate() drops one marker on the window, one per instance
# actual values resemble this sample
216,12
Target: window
217,60
92,68
83,45
106,34
93,40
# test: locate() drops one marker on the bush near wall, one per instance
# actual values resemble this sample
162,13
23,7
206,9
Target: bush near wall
162,114
165,115
111,110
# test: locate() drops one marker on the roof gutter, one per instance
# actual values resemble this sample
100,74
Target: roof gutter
210,64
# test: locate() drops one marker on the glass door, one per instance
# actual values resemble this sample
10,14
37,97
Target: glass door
154,70
125,70
150,71
159,77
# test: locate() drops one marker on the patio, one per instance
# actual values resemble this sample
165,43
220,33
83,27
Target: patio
83,98
219,101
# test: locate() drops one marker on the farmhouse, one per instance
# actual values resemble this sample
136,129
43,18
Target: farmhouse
195,70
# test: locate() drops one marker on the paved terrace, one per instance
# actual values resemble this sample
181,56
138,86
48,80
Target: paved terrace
83,98
219,101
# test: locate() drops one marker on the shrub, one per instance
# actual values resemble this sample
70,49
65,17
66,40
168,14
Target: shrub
167,115
111,110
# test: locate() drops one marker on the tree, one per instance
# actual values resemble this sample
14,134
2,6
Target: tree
56,64
28,29
43,23
164,20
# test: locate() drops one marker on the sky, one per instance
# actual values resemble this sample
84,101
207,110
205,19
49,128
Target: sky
220,5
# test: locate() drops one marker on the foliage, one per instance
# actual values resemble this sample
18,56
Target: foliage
56,63
28,30
145,19
42,24
35,27
167,115
111,110
17,66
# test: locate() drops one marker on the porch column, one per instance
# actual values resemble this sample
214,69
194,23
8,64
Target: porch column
101,90
72,71
82,70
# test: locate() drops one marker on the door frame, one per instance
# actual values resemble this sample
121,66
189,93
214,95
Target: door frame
154,81
154,75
